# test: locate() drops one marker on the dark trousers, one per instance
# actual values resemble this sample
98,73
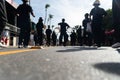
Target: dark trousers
97,33
40,38
24,37
48,40
61,37
89,38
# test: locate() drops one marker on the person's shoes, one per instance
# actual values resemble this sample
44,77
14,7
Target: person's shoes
25,46
116,45
19,46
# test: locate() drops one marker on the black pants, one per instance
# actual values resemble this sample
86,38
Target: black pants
24,37
48,40
40,38
97,33
61,37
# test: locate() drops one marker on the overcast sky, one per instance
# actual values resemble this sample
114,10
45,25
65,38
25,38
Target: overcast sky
72,10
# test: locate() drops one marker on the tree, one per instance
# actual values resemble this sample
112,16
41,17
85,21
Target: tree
46,7
107,21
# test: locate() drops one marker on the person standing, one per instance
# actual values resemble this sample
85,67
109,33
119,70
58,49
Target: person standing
97,15
48,35
79,36
87,36
54,38
116,22
3,17
63,33
23,11
39,28
73,37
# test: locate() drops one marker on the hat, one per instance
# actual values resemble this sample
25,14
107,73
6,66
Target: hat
97,2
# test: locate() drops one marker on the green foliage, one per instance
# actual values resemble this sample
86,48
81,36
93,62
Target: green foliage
107,21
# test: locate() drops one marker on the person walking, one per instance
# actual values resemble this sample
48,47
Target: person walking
39,28
54,38
73,38
87,36
3,18
79,36
23,11
48,35
63,33
97,15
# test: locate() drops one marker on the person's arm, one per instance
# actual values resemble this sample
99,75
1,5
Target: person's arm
91,14
67,25
31,11
32,14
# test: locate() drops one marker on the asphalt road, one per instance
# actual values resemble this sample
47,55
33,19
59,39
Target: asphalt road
61,63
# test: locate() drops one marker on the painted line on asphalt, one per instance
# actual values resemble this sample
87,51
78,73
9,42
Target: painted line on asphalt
15,51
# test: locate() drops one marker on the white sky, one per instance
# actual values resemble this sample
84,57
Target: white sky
72,10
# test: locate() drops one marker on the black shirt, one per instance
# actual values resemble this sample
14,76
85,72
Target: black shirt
97,14
63,26
24,11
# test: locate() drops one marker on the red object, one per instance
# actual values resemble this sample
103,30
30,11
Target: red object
109,32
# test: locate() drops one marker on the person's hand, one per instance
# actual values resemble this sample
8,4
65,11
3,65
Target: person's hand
33,15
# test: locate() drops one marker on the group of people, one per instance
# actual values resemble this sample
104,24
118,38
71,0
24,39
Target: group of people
92,26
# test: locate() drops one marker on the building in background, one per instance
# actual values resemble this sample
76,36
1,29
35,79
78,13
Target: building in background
11,29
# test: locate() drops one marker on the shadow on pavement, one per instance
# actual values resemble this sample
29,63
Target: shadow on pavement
73,49
113,68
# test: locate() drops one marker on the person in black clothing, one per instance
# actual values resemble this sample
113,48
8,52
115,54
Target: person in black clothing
79,36
73,38
36,38
3,16
54,38
39,28
87,36
63,33
97,13
23,11
48,35
116,22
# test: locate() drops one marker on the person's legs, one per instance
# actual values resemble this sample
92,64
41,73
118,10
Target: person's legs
26,38
21,37
60,39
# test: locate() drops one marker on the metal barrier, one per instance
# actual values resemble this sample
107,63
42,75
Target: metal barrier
12,28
